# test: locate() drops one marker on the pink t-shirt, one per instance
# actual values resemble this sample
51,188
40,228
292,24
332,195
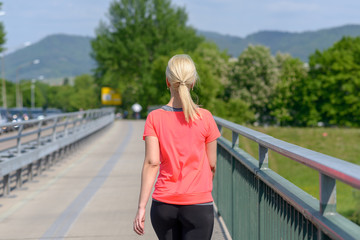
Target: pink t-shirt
185,176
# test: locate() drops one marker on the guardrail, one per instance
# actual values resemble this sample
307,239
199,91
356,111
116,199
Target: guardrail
43,140
257,203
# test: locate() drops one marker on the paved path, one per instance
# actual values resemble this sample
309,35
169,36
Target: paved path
90,194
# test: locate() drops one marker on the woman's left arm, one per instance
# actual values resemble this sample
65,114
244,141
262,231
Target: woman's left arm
148,176
211,148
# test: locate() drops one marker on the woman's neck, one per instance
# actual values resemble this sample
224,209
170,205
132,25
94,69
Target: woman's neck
175,101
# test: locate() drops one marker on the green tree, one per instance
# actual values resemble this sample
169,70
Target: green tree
84,93
212,66
138,33
3,99
60,97
235,110
253,79
285,101
66,81
38,94
334,83
2,35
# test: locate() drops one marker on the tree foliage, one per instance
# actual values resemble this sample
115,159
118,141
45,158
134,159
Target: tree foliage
137,34
2,34
285,102
254,77
334,83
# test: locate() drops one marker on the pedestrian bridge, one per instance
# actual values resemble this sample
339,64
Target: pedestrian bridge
77,176
90,191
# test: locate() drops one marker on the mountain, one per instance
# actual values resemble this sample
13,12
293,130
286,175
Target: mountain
300,45
63,55
60,56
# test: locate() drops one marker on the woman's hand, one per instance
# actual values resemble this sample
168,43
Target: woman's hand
148,176
139,222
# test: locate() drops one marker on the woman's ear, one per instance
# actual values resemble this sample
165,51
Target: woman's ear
167,83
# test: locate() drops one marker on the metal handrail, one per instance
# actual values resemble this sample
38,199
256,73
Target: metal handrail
322,213
344,171
63,130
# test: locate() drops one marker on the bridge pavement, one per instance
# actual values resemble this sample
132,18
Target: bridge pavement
90,194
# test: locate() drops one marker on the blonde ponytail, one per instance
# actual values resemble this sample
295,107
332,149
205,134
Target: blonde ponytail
181,74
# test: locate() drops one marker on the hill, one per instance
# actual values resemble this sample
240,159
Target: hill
63,55
60,56
300,45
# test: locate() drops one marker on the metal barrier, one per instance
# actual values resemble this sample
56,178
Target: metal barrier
23,149
257,203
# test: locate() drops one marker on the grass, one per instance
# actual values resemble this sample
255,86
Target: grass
341,143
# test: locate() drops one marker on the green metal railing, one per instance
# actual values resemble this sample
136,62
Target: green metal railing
257,203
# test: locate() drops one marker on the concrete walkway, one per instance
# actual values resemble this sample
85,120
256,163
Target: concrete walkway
90,194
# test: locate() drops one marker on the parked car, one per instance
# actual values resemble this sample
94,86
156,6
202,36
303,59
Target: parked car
19,115
4,118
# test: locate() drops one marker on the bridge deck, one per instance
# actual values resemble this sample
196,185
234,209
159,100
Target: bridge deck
90,194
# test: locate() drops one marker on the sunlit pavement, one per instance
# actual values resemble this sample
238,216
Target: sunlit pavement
90,194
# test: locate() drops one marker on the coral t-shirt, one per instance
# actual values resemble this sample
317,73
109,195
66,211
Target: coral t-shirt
185,176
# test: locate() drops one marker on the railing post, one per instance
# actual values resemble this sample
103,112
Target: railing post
30,172
327,194
263,157
54,129
235,139
263,164
327,198
65,127
39,167
39,134
18,145
6,185
19,178
220,128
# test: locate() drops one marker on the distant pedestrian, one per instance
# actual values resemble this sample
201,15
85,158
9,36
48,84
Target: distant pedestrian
137,109
180,141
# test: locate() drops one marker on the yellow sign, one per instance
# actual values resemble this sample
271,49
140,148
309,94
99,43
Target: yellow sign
110,96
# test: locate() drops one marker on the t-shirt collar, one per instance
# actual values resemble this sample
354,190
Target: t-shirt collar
171,109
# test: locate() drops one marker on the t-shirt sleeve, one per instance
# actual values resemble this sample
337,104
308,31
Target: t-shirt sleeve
213,130
149,129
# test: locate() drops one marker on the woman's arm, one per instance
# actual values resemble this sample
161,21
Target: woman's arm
148,176
211,154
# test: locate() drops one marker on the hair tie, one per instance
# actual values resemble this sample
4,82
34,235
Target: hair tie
182,83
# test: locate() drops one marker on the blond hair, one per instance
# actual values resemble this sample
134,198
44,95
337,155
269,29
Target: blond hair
181,74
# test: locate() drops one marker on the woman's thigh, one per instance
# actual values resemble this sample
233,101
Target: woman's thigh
197,222
164,219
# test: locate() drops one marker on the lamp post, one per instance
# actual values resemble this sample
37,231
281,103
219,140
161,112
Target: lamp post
33,93
19,102
3,89
33,81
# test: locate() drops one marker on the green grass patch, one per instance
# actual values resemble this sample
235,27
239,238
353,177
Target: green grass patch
336,142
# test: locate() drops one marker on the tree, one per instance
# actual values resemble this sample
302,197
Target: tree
2,34
334,83
253,80
286,103
212,67
3,82
84,95
38,94
138,33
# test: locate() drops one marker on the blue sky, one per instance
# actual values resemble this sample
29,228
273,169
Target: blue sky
30,21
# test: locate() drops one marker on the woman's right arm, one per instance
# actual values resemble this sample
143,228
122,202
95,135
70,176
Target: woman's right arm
148,176
211,154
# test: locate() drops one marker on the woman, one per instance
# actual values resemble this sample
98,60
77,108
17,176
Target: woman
180,140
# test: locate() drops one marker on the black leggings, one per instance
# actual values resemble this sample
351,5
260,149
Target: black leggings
185,222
